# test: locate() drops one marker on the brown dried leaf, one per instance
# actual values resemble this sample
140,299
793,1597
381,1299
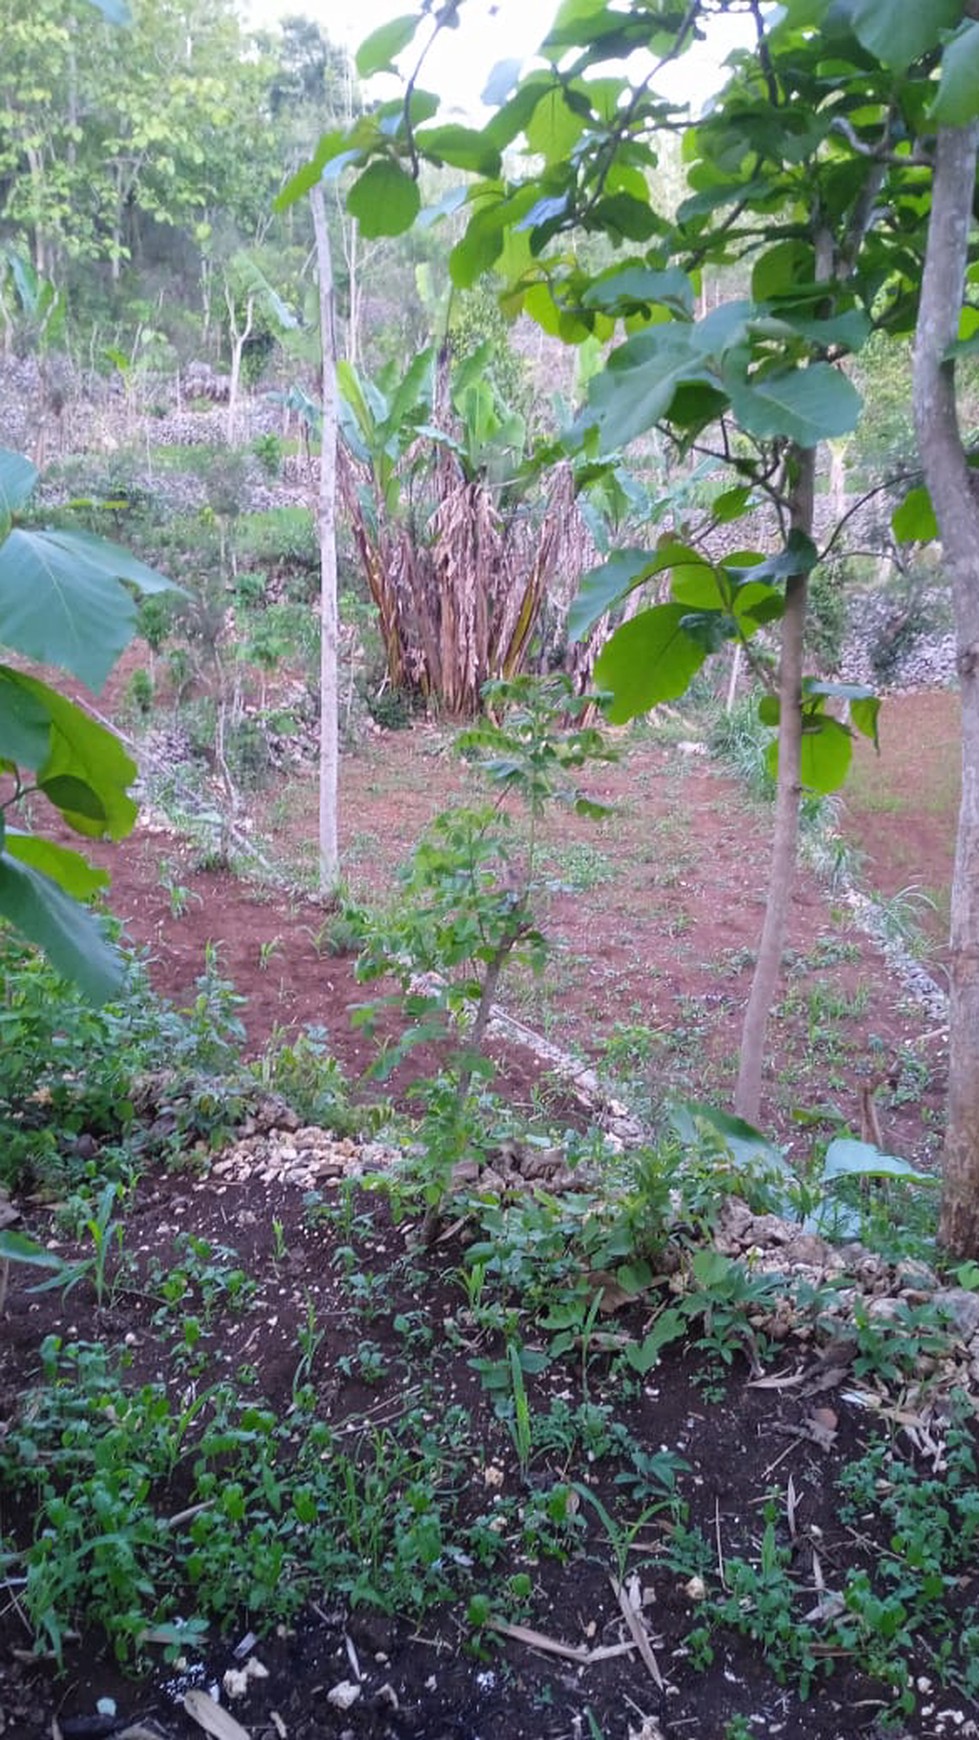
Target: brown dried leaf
614,1298
639,1633
553,1646
777,1381
791,1502
210,1716
821,1427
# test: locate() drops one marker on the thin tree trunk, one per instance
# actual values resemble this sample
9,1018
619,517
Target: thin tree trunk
326,521
785,838
239,338
788,790
957,512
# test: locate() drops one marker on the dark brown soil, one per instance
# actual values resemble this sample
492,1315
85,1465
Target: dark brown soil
652,935
747,1457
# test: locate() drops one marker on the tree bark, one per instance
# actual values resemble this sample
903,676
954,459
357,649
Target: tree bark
326,523
788,790
785,837
956,507
239,338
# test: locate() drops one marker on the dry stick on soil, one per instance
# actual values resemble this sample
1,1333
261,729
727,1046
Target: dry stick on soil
722,1574
638,1631
552,1645
212,1718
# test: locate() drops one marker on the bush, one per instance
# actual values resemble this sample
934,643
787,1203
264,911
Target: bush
69,1070
826,616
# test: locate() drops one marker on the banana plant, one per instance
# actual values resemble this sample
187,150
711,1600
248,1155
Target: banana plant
381,420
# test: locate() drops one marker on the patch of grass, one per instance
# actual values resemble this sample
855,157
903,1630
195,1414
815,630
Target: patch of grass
574,867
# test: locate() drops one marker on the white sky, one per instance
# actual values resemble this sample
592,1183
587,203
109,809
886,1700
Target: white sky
489,31
460,63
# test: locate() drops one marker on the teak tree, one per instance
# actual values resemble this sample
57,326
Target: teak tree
813,170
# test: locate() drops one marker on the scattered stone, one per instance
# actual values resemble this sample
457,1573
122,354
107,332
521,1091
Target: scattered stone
962,1307
343,1695
236,1680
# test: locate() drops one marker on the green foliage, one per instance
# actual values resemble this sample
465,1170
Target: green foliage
311,1081
467,910
63,601
68,1070
268,450
880,1616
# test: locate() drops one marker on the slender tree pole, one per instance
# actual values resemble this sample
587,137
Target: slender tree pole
329,853
953,492
788,792
801,463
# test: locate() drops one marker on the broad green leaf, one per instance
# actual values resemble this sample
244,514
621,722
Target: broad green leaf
114,560
25,722
651,658
554,128
73,796
62,609
603,587
624,216
806,405
827,750
389,118
782,268
710,628
68,869
700,587
731,504
384,199
17,479
331,146
82,750
746,1145
864,713
957,101
851,329
863,704
837,691
669,1325
848,1158
480,247
461,147
755,604
379,51
725,193
913,520
694,406
638,383
623,289
802,12
968,323
70,936
799,556
546,210
17,1247
901,31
